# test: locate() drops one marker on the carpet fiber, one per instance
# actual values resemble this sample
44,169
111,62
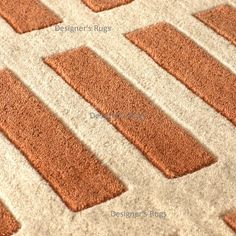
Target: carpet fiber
117,117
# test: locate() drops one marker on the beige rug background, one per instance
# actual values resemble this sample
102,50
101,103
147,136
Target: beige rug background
193,203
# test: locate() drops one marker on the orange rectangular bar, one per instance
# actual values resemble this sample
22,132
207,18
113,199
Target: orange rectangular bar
221,19
27,15
52,149
102,5
168,146
191,65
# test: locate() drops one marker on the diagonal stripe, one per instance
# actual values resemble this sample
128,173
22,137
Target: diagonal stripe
190,64
71,169
166,145
27,15
221,19
8,224
230,220
102,5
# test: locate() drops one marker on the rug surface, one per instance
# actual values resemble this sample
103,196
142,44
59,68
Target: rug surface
117,117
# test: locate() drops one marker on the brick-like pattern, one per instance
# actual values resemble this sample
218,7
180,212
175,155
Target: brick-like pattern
64,161
164,143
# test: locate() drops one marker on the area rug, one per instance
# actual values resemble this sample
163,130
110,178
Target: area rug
117,117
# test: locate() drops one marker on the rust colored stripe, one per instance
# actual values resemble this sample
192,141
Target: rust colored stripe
230,220
166,145
190,64
8,224
71,169
102,5
27,15
221,19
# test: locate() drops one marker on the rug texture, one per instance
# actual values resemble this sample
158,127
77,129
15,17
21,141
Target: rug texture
117,117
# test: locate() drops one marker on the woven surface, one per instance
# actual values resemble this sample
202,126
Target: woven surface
161,161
